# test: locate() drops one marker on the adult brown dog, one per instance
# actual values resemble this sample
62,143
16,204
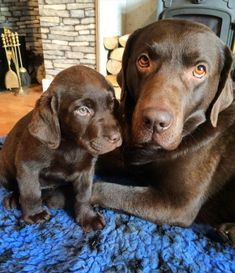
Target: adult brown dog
180,126
58,142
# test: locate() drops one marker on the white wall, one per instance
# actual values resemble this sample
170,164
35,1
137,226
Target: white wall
139,13
119,17
109,22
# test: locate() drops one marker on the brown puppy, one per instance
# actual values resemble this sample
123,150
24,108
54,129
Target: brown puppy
179,111
58,142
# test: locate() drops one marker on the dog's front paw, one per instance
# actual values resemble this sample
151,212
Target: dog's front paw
89,219
38,217
227,233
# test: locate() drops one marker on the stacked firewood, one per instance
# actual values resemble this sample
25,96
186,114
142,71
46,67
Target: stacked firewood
115,46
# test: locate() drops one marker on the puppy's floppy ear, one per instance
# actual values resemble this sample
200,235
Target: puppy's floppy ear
126,103
45,123
224,95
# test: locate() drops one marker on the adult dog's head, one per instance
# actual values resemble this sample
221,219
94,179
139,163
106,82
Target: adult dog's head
78,107
175,76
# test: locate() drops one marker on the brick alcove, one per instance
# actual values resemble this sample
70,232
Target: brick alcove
62,32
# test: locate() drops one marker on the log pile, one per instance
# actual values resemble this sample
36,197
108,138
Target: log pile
115,46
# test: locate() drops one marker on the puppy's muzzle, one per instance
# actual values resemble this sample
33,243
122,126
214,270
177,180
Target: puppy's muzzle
113,137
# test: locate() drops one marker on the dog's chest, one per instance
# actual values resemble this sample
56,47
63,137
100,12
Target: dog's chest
73,161
66,166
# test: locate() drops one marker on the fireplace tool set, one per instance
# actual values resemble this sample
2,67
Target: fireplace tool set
19,77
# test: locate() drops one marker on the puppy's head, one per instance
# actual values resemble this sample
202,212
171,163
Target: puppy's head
78,107
175,76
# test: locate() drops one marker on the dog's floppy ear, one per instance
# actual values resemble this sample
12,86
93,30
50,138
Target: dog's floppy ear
126,103
224,95
45,123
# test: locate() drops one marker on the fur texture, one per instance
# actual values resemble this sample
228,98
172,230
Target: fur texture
179,113
58,142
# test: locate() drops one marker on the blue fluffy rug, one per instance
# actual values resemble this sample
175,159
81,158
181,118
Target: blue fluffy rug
126,244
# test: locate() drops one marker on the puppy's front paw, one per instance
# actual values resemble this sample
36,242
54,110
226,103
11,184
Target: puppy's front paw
92,222
89,219
37,218
11,201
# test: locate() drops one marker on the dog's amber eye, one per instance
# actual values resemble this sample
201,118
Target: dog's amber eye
83,111
143,61
199,71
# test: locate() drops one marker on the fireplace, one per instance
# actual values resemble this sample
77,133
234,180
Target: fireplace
218,15
61,33
23,18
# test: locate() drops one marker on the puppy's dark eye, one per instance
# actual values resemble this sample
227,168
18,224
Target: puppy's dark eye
83,111
143,61
199,71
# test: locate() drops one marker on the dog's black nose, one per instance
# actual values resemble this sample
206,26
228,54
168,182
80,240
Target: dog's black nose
156,120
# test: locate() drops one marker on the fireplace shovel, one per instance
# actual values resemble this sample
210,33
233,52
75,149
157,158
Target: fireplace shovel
24,75
11,79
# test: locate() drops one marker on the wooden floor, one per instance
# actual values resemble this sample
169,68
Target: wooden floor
13,107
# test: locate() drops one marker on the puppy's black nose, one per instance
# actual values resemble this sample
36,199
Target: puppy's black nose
156,120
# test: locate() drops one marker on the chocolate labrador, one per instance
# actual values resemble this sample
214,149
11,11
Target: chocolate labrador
58,142
179,113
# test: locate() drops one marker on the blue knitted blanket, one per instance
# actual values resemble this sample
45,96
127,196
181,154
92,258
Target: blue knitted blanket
126,245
